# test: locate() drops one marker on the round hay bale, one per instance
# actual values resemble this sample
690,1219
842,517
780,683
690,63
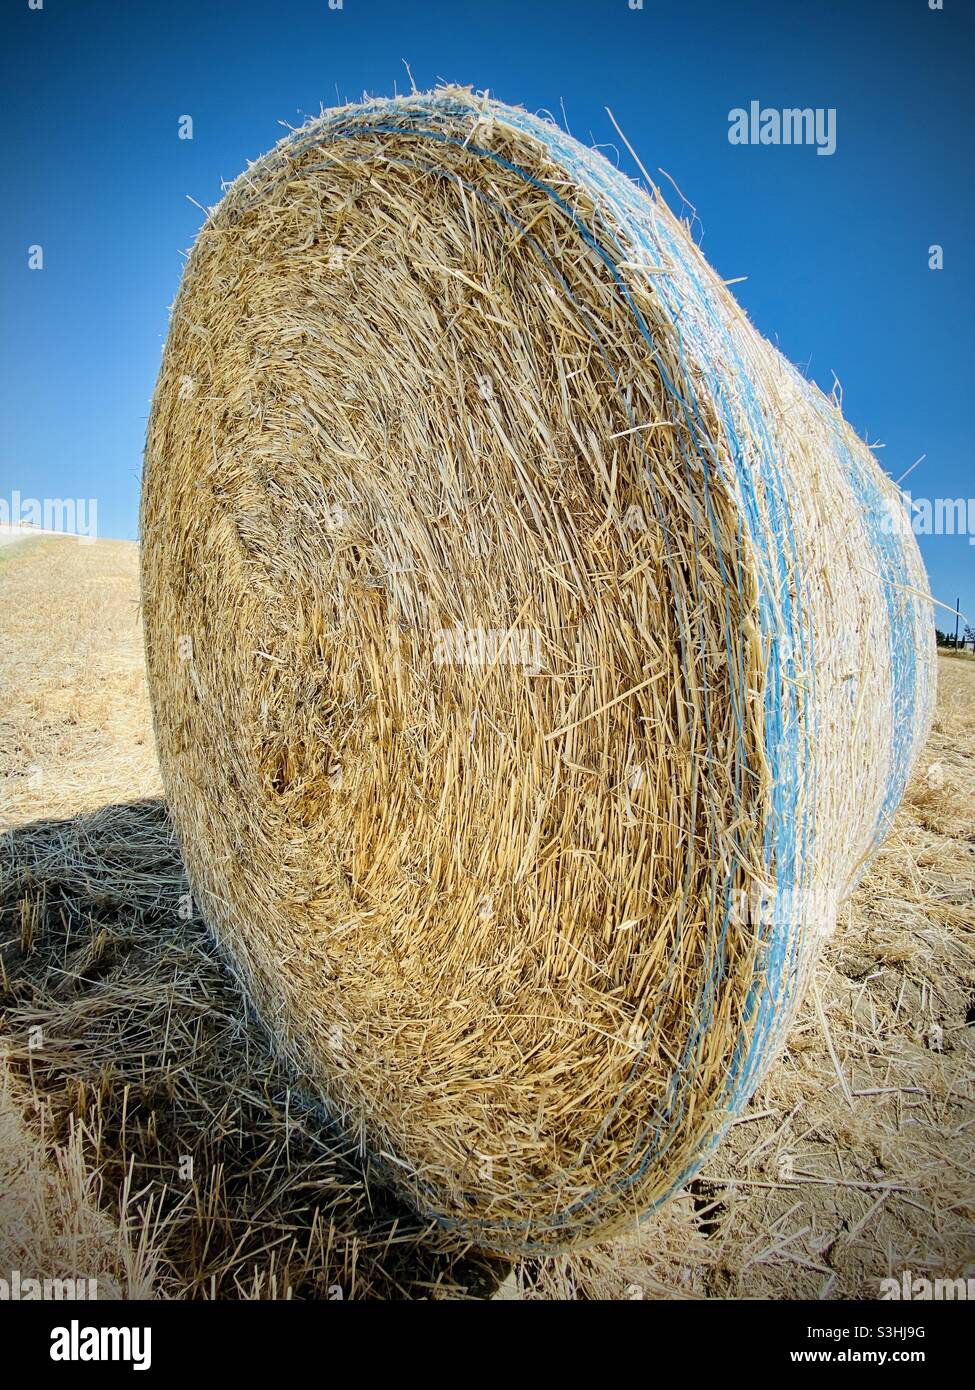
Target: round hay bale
536,657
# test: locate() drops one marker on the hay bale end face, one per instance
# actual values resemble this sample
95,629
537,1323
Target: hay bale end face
536,657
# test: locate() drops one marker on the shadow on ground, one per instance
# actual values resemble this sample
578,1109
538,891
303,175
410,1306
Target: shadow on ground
122,1017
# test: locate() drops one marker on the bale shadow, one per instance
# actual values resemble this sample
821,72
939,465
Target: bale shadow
124,1017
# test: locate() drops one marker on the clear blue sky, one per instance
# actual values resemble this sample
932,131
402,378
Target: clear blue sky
835,248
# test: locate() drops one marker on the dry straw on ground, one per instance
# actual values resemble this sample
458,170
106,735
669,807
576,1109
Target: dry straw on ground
838,1172
536,659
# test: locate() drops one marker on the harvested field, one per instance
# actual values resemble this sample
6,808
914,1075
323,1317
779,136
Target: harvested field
853,1160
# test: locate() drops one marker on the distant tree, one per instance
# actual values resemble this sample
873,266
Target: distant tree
947,639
